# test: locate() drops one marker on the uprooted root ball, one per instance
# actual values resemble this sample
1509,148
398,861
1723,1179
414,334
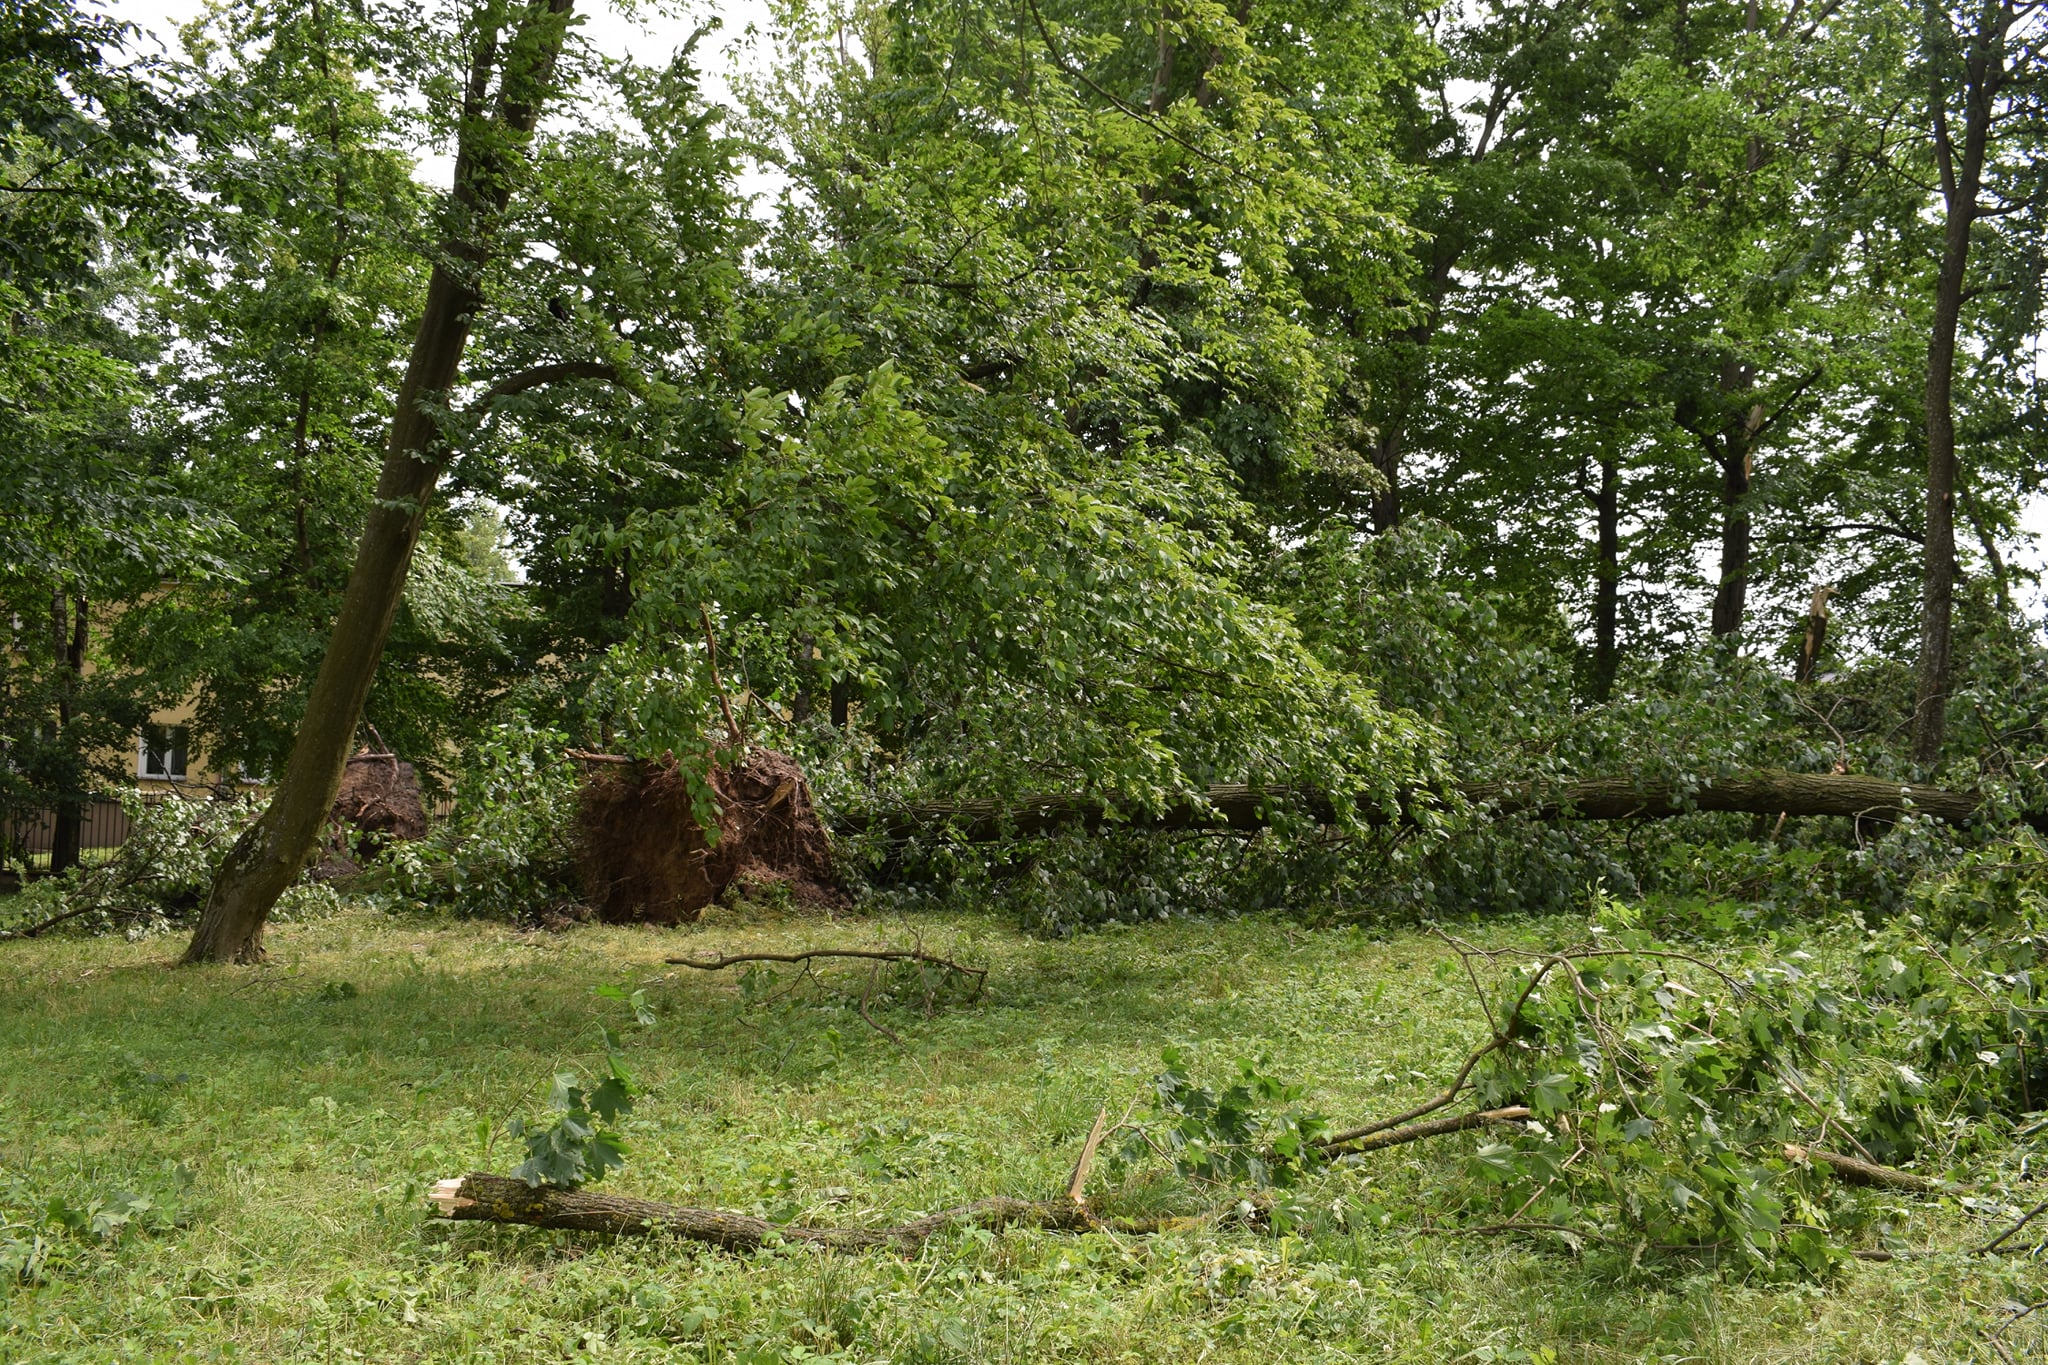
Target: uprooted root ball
379,801
645,858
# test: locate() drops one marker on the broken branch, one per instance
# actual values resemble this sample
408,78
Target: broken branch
1381,1137
1079,1179
478,1197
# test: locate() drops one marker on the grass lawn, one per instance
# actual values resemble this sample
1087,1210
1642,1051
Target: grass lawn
284,1122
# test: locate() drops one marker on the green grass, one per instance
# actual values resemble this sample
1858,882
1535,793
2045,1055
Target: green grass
285,1121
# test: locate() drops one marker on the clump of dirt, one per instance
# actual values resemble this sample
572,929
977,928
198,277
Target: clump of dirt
379,802
645,858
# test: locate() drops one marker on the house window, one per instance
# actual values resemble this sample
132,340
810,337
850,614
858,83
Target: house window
162,753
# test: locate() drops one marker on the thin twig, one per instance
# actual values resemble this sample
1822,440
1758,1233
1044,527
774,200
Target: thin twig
1395,1137
2006,1326
732,727
980,974
1495,1229
1999,1240
891,1034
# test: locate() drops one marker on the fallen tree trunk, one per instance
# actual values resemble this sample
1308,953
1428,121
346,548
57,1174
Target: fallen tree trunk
500,1199
1855,1171
1767,791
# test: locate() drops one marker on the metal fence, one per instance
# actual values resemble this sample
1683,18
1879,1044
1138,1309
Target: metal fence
31,834
27,836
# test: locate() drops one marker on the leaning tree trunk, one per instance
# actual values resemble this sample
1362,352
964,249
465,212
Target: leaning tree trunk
269,856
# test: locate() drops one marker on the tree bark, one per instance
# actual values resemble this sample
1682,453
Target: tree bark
1386,458
1961,180
1733,450
1854,1171
68,829
1731,594
1607,582
270,855
1767,791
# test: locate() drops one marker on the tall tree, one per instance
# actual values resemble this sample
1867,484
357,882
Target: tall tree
1982,65
513,52
87,519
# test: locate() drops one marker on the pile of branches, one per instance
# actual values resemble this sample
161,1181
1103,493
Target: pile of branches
159,874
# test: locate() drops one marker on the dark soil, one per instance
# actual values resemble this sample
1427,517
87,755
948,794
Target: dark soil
645,859
379,801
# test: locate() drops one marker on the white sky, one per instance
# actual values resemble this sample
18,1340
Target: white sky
651,39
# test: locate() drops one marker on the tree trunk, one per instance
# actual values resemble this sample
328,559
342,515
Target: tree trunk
1732,593
1961,179
1766,791
1734,450
1386,458
1607,582
271,853
1162,66
67,833
1937,583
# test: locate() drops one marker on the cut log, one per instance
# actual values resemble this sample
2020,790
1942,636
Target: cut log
499,1199
1767,791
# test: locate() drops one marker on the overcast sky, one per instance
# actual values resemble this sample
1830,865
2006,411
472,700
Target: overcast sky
651,39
